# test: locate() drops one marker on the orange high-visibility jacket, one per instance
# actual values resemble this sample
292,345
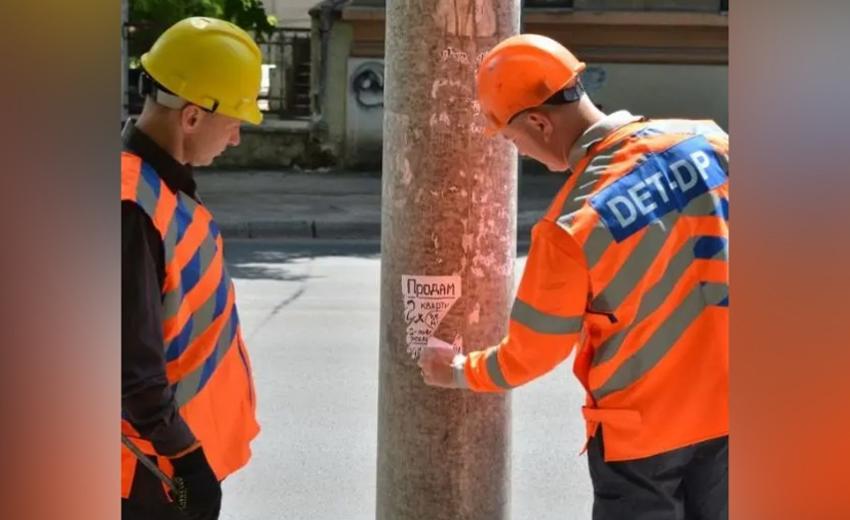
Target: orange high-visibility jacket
206,360
631,265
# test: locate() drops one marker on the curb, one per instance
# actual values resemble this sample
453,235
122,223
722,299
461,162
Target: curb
317,229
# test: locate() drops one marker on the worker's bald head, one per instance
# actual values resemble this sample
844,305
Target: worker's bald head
191,134
546,133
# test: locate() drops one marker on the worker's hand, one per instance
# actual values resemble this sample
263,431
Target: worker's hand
202,488
442,366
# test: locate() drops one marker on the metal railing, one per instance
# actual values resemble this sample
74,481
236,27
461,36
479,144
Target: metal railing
286,74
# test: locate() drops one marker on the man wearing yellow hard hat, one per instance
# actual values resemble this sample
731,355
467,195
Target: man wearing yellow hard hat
187,391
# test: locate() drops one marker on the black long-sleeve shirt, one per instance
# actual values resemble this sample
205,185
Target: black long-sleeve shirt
146,397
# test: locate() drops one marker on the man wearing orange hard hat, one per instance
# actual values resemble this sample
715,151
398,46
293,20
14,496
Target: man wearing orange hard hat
629,267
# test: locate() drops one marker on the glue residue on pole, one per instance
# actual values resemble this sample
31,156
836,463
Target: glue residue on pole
427,300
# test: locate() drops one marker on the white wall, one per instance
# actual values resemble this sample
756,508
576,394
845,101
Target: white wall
690,91
364,110
685,91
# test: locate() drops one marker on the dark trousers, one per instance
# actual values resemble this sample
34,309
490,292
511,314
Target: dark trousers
147,501
690,483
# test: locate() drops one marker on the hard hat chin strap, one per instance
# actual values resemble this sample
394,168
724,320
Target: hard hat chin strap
562,97
168,100
567,96
149,87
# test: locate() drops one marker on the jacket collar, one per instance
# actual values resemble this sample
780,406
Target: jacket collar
598,131
178,177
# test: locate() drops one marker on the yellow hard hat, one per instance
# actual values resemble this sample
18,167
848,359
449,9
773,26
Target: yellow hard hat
210,63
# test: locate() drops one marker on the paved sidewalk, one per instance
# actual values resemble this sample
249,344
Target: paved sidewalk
327,205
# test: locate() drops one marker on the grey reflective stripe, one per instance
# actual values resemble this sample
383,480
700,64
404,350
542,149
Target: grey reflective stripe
687,127
170,240
706,205
714,293
542,322
586,182
703,206
598,132
597,243
723,159
655,297
207,253
633,269
148,200
189,203
203,317
172,300
491,361
189,385
660,343
631,273
145,195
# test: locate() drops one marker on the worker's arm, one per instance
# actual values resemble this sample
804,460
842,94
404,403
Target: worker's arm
146,397
546,319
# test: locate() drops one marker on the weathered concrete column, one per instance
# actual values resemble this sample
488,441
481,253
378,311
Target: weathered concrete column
448,251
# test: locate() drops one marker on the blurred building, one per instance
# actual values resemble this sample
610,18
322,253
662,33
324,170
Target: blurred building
660,58
324,72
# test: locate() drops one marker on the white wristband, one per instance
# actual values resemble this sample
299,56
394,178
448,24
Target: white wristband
458,364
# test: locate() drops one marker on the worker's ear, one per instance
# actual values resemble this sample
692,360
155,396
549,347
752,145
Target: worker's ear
540,124
191,117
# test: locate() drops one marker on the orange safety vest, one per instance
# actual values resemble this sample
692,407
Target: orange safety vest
207,363
630,264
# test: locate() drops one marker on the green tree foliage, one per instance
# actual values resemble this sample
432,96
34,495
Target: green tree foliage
149,18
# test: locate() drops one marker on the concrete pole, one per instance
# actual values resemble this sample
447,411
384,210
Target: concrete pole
448,252
125,13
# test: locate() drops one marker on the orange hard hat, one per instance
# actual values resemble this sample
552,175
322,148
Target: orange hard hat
522,72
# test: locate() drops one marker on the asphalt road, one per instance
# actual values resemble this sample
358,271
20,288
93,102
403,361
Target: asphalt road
310,314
